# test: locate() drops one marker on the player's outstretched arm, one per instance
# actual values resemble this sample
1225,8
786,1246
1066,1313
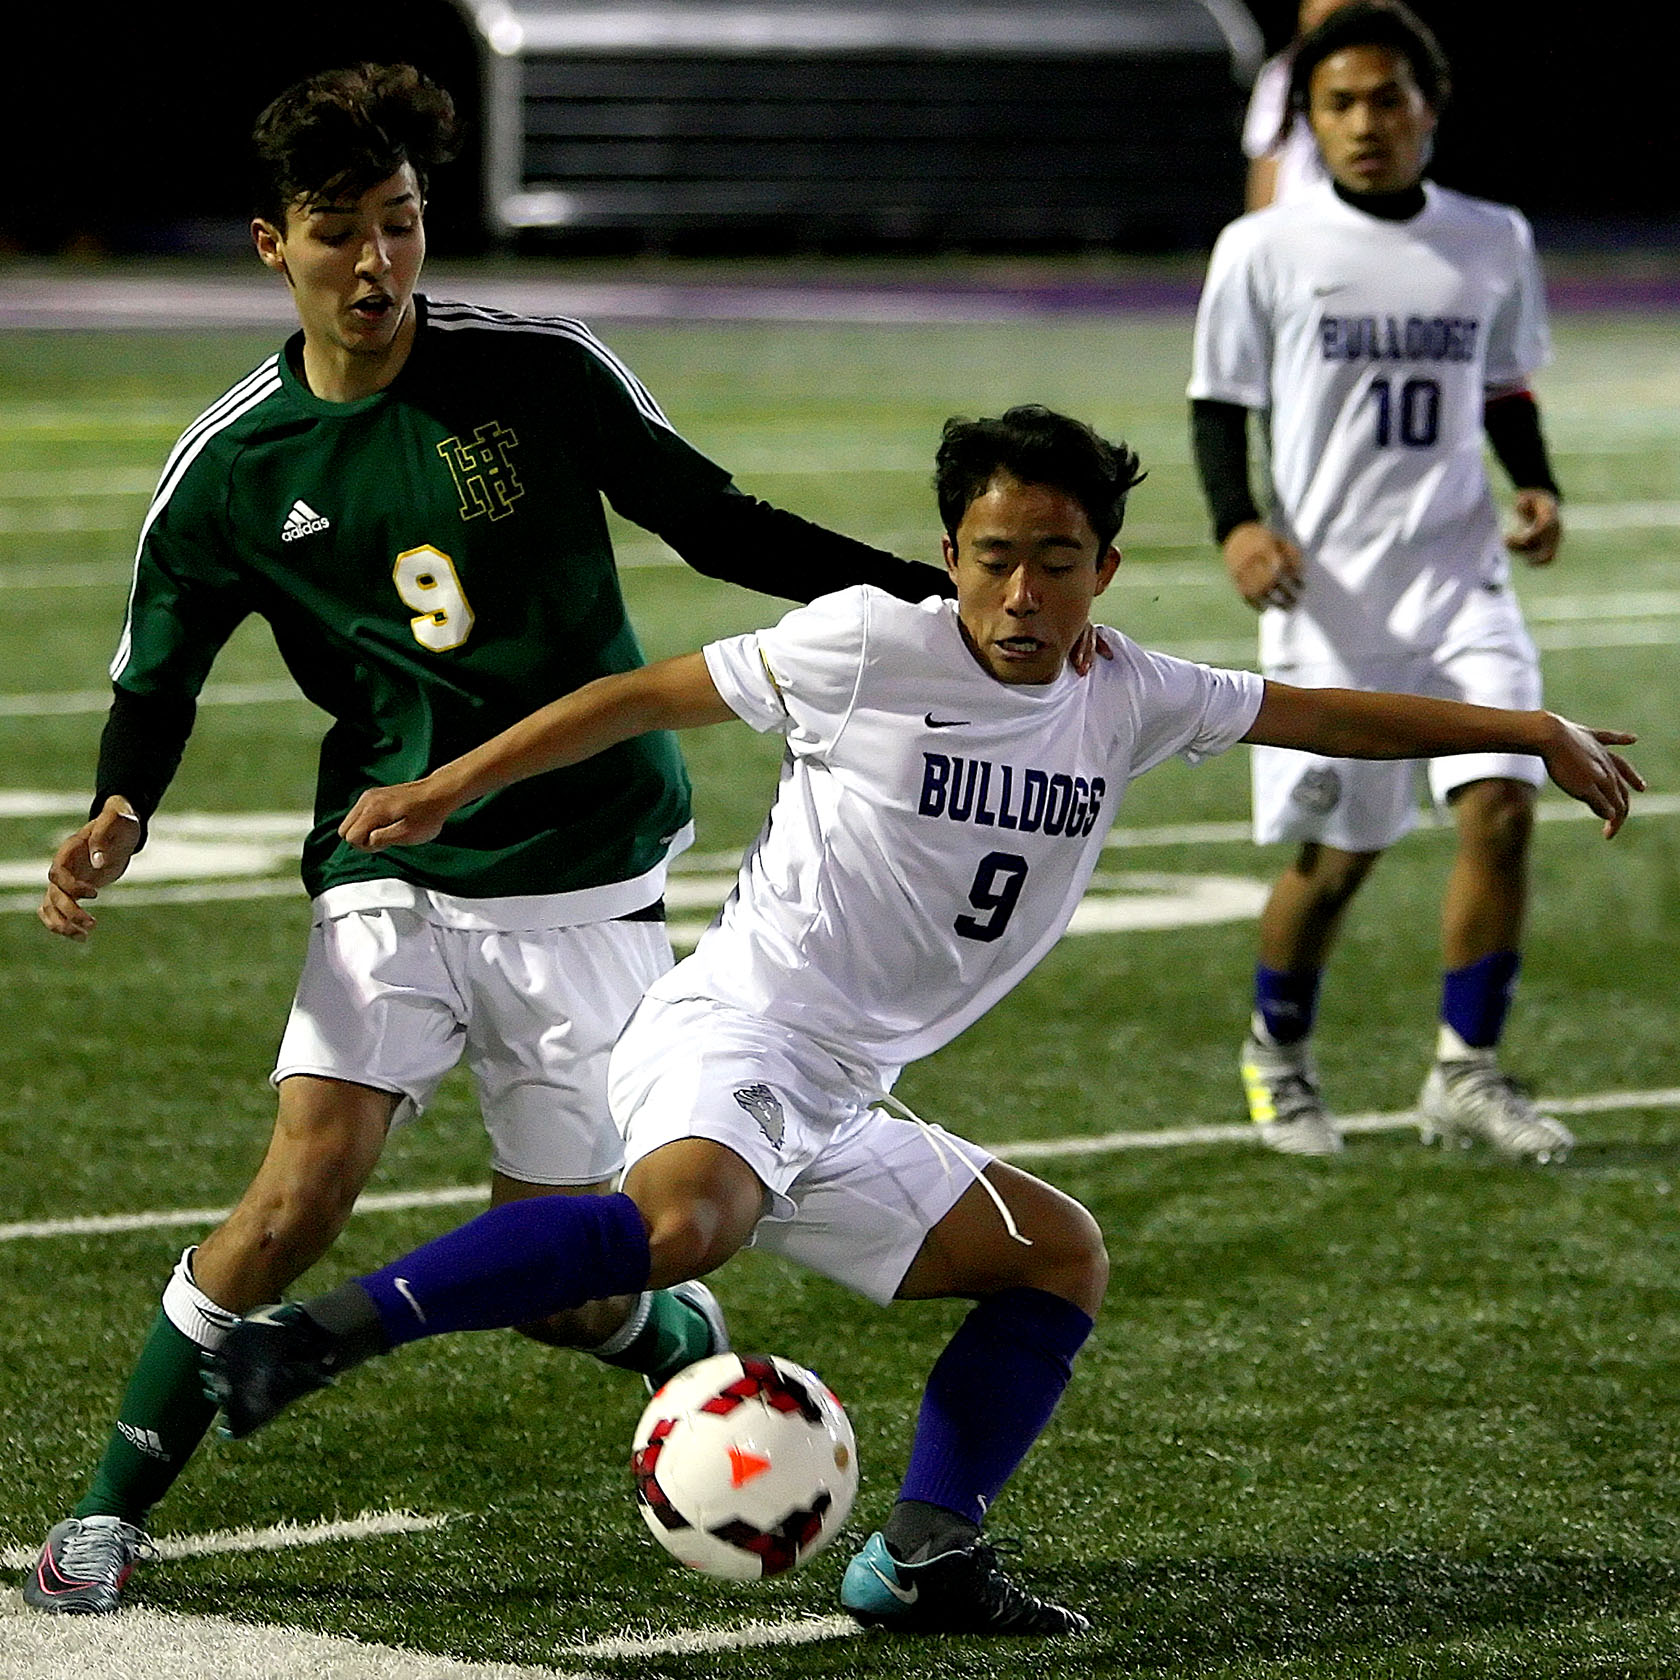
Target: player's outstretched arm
93,857
1348,723
673,694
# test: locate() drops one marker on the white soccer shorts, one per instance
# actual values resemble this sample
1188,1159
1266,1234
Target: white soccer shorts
392,1000
1365,805
852,1191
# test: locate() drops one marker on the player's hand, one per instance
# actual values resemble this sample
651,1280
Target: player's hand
93,857
1580,762
1265,567
1088,649
1538,531
409,814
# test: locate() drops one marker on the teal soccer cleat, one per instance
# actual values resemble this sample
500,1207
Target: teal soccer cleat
956,1592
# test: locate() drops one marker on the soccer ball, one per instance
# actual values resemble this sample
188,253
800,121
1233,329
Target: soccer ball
745,1466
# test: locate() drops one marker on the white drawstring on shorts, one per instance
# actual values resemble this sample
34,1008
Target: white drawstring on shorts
939,1138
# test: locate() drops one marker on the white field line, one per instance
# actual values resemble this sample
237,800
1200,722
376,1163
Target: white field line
370,1525
143,1644
70,575
1662,631
43,513
69,703
1049,1149
685,931
697,1641
75,483
1029,1149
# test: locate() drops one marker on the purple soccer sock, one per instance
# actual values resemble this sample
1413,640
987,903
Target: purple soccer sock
1475,999
1286,1001
989,1396
518,1262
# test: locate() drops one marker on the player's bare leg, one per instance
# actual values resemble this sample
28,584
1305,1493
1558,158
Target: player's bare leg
987,1399
328,1137
1467,1097
970,1253
1486,901
700,1201
1298,929
1304,913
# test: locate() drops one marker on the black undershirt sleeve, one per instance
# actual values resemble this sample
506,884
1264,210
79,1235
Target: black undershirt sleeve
1512,424
740,539
1219,442
140,750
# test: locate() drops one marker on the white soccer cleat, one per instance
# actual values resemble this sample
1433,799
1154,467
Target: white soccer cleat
1466,1102
1281,1085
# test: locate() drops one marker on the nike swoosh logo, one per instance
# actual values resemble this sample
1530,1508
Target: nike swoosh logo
1326,291
901,1594
946,723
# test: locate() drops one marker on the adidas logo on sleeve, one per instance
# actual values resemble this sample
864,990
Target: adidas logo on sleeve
303,521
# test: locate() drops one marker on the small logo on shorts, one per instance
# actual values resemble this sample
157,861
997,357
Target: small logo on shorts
1318,791
760,1102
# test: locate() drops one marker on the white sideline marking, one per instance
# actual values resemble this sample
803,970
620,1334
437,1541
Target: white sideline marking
280,1537
1027,1149
143,1644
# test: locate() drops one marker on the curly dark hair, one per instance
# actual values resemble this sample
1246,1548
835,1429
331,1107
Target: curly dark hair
1037,446
340,132
1372,23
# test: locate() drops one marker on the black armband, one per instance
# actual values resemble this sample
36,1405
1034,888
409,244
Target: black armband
740,539
1512,424
1219,443
140,750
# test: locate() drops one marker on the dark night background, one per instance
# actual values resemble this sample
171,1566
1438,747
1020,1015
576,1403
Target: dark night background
123,127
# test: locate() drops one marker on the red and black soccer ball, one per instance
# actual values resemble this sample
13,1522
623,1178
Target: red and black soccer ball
745,1466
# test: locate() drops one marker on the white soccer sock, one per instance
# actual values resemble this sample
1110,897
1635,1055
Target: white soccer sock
1449,1047
191,1311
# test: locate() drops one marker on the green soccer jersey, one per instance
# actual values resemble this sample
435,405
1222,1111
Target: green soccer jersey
435,563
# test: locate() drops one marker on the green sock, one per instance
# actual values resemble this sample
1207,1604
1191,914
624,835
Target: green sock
673,1337
163,1417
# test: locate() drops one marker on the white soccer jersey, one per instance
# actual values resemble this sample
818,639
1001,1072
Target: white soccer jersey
1372,344
1299,163
934,828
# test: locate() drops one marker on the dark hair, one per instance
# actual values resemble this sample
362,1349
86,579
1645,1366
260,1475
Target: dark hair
343,131
1037,446
1373,23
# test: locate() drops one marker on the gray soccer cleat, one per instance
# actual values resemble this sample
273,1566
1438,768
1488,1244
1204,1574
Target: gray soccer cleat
698,1298
1281,1085
84,1566
1467,1102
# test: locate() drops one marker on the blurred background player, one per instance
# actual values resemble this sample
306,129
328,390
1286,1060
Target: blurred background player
948,789
410,493
1283,157
1381,323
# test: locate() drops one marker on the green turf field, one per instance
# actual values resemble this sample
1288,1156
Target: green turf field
1394,1415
